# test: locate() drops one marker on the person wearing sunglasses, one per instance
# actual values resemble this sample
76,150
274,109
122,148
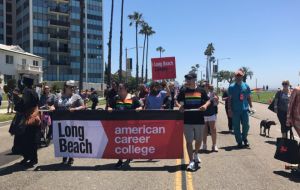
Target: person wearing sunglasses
281,103
71,101
238,108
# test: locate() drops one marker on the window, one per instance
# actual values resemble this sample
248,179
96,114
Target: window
23,61
35,63
7,78
9,59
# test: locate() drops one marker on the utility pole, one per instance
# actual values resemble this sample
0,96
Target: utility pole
82,7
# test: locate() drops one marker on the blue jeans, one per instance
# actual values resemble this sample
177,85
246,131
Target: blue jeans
237,119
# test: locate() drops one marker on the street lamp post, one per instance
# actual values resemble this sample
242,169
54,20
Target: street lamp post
126,57
228,58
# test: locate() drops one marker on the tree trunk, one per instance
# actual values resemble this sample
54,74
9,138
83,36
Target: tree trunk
109,43
143,58
146,77
121,43
137,55
82,7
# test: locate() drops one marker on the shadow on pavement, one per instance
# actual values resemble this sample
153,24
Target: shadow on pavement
290,176
225,132
109,167
230,148
12,169
271,142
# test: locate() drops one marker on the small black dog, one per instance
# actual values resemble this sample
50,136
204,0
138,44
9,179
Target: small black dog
266,124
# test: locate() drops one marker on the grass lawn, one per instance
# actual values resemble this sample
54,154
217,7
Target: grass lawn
6,117
101,102
263,97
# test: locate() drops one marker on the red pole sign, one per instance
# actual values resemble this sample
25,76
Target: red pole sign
163,68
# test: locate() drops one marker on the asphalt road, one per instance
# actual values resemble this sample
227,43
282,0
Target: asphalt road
253,168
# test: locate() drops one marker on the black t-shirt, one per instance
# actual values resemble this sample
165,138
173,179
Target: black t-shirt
129,103
111,94
193,99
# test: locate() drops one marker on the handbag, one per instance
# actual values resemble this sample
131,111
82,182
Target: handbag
287,150
32,117
271,106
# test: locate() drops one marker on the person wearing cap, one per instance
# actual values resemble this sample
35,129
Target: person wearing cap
71,101
193,101
238,108
28,106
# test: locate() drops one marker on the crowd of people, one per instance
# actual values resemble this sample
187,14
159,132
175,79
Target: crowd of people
198,103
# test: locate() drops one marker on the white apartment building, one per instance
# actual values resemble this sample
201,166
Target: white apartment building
15,62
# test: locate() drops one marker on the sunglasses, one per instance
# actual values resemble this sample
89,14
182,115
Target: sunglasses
285,84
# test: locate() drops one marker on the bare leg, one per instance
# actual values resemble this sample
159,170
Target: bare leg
205,133
213,130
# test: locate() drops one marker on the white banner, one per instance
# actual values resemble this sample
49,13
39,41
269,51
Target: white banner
79,138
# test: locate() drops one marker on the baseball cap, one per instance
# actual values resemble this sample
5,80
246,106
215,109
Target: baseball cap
239,73
190,76
70,83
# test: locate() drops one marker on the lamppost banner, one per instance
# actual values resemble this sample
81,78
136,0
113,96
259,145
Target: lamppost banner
118,134
163,68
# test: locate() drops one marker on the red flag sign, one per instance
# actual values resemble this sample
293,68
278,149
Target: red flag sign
163,68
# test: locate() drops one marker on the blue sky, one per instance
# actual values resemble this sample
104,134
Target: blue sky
263,35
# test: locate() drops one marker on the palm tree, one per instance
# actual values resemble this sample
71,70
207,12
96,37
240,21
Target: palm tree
149,33
144,31
247,73
136,19
109,43
121,43
209,52
161,50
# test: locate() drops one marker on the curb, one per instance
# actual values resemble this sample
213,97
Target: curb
4,123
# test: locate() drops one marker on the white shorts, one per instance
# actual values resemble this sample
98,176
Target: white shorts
210,118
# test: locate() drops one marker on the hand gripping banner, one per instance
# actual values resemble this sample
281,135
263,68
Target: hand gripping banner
156,134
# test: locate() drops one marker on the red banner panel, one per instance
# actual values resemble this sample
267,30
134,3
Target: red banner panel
143,139
163,68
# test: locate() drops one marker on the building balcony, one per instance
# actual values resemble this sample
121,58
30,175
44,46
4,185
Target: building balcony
59,23
59,36
59,10
29,69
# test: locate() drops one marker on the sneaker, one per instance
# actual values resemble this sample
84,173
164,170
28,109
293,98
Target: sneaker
31,163
119,164
65,161
240,145
204,147
197,158
23,162
215,148
71,161
191,166
246,143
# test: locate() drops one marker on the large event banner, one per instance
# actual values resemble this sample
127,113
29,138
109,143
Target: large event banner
155,134
163,68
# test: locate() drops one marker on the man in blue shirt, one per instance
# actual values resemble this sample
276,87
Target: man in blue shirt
238,108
